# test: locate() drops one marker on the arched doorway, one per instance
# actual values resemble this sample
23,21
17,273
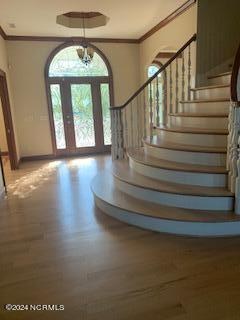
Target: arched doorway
79,98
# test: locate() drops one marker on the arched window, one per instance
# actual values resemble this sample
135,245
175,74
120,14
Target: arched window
66,63
152,69
79,99
158,87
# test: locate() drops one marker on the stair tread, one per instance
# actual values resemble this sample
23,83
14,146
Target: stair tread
104,188
156,141
216,86
199,114
123,172
140,156
206,100
193,130
220,75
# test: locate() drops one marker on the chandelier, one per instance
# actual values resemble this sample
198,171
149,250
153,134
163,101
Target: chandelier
85,53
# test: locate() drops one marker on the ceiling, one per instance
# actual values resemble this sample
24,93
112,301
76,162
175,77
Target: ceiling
128,19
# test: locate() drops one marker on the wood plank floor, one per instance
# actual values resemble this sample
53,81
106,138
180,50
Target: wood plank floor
57,248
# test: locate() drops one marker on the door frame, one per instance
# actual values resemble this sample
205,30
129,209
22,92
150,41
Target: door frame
7,116
50,80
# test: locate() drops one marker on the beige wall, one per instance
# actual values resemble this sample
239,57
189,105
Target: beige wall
27,61
169,38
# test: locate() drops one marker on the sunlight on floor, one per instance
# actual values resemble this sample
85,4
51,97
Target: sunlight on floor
79,162
24,186
27,184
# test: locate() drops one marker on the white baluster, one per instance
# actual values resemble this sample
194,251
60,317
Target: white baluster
138,124
176,89
157,103
113,130
120,135
171,90
125,129
183,76
144,115
230,133
131,125
151,108
189,72
164,110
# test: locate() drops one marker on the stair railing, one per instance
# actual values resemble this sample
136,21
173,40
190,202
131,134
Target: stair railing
150,105
233,148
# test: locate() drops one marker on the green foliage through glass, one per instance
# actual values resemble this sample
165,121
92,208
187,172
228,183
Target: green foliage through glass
58,116
66,63
82,108
106,113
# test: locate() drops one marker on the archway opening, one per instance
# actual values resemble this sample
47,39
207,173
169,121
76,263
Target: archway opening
79,99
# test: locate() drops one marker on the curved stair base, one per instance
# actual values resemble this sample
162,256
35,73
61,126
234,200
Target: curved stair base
189,223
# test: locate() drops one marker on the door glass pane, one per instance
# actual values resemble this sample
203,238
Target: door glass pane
58,116
82,108
105,98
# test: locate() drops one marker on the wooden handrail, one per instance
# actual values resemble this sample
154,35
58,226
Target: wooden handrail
234,77
193,38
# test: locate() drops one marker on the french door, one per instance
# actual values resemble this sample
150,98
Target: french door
80,115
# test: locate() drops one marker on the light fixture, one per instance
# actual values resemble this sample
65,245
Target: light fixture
85,53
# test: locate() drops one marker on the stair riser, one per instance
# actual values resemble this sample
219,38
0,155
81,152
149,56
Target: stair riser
205,107
199,122
211,159
219,80
181,177
215,93
209,140
176,200
187,228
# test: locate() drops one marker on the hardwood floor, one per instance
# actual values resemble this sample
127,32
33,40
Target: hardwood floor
57,248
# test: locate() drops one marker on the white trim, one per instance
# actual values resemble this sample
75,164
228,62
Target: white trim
202,158
197,139
176,200
208,107
198,122
181,177
187,228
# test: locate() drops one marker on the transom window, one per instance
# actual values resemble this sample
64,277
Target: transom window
66,63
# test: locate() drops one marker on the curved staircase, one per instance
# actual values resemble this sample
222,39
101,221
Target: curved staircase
177,182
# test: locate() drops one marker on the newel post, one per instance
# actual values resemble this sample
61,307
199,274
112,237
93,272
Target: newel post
117,134
232,155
